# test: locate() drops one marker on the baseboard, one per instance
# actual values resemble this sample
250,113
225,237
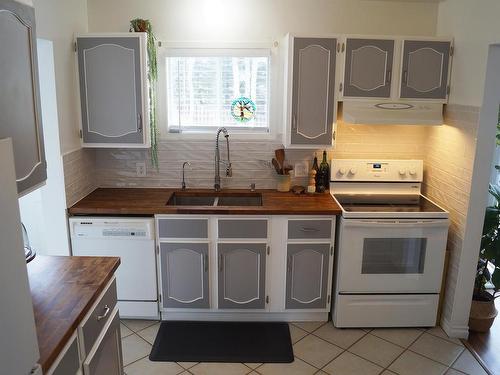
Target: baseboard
246,317
459,332
138,310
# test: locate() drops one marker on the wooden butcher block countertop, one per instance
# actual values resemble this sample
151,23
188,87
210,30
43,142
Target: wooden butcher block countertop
63,290
151,201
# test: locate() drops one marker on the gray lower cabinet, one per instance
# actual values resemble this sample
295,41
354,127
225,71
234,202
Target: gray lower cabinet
368,68
184,275
424,72
241,275
112,90
313,91
96,344
105,357
20,112
307,276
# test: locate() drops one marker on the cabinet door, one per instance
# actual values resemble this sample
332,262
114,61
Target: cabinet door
20,112
307,276
184,274
69,363
313,96
105,358
242,275
425,69
368,68
111,96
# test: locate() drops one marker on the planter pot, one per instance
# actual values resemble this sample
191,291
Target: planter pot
482,315
284,182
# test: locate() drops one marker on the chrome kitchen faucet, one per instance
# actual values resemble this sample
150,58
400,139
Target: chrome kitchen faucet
183,180
229,169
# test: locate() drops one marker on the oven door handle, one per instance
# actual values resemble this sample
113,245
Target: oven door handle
400,224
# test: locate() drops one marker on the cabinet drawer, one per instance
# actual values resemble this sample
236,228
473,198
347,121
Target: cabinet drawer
105,358
95,321
304,229
183,228
242,228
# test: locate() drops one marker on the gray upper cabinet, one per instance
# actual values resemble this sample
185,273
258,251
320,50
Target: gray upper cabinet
184,275
368,68
20,112
241,276
307,276
425,67
113,95
313,92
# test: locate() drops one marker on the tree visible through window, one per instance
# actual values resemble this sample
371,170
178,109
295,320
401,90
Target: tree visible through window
202,89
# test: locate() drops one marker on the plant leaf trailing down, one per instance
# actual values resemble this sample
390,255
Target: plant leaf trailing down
490,250
140,25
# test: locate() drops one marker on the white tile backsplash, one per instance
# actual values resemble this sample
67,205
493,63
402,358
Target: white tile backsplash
251,160
448,178
79,174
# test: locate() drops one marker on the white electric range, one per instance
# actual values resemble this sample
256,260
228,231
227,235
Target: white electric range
391,245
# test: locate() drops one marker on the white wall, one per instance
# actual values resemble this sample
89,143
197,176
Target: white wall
474,25
260,20
59,21
43,211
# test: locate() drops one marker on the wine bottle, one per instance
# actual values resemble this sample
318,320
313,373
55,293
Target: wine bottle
324,172
315,168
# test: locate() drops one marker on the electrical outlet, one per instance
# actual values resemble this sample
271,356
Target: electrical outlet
140,169
301,169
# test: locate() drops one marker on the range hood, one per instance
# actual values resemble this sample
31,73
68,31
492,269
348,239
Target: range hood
372,112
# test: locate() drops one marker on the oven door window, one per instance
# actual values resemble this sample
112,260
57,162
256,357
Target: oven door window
393,255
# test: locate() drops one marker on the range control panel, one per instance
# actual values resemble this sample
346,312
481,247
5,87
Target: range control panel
361,170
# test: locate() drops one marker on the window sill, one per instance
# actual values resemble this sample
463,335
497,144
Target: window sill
211,136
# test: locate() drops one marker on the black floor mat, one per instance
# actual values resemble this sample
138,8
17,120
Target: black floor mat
251,342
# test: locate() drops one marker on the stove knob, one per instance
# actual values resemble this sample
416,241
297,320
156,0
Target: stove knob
353,171
342,171
413,172
402,172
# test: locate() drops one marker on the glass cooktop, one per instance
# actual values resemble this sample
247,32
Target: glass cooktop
387,204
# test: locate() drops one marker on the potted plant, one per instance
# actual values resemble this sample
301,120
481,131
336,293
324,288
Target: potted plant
483,311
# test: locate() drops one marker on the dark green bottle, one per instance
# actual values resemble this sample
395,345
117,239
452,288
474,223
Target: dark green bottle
324,175
315,167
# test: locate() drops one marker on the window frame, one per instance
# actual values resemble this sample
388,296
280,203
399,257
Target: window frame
172,49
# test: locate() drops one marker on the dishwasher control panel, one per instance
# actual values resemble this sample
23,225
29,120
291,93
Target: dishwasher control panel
108,228
123,232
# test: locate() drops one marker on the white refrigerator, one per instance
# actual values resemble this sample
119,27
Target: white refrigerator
19,352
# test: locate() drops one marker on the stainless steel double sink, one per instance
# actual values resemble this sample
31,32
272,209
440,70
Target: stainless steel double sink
215,199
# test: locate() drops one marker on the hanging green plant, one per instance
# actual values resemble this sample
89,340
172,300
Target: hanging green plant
140,25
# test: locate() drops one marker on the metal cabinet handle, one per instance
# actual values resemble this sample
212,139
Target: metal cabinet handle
309,230
205,262
221,266
294,122
289,263
106,313
389,76
139,123
405,76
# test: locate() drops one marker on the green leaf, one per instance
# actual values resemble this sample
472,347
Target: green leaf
495,191
495,279
491,221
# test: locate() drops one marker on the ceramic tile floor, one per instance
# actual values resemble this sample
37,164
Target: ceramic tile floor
320,348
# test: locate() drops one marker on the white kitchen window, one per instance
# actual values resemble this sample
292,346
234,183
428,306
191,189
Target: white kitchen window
210,88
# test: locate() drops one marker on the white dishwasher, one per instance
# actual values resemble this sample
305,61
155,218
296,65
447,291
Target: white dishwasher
133,241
